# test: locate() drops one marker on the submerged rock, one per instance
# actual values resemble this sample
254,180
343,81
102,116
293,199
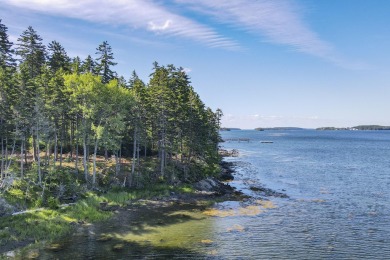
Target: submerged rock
268,192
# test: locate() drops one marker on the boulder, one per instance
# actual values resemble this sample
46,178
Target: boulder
212,185
5,208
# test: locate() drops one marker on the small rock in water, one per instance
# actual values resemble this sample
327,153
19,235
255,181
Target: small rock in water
207,241
118,247
104,238
54,247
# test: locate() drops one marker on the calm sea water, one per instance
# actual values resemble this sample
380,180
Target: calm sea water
338,183
339,188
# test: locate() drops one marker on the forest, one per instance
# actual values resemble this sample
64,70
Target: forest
69,125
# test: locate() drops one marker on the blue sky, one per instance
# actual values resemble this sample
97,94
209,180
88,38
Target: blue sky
306,63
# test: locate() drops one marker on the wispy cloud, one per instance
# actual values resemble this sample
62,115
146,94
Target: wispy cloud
278,22
138,14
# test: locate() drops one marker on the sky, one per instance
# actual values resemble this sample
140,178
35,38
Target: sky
265,63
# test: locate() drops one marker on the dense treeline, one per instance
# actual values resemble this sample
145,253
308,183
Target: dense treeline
59,114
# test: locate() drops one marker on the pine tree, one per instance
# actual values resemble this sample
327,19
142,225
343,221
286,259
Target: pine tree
32,52
88,65
6,52
104,62
58,58
75,65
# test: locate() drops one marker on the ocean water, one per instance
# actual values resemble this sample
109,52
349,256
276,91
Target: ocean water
339,188
338,183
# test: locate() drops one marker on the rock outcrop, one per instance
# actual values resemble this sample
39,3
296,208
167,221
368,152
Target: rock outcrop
5,208
213,185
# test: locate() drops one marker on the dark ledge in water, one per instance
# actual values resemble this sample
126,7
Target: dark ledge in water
268,192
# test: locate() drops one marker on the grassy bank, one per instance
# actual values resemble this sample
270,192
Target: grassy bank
44,224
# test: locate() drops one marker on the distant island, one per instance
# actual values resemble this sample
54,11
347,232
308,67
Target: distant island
355,128
228,129
278,128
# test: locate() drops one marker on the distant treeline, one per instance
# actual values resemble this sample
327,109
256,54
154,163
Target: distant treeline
229,129
360,127
278,128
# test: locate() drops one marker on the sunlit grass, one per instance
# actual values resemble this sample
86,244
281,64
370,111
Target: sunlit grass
48,224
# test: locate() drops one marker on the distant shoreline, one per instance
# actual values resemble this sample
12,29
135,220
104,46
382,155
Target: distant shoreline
327,128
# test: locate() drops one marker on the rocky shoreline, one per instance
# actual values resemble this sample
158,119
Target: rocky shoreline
207,192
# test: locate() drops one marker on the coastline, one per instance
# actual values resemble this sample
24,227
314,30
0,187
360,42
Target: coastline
204,194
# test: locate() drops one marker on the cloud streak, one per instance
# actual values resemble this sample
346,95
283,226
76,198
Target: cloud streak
279,22
137,14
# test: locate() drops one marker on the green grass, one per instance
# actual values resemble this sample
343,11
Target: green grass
50,224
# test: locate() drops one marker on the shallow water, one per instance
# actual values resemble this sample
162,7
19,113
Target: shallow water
339,188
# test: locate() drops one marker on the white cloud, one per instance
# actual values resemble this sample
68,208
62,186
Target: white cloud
187,70
154,27
279,22
139,14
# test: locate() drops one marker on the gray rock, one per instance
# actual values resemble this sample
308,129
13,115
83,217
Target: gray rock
5,208
212,185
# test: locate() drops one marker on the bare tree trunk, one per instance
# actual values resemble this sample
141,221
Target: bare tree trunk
77,150
120,158
34,148
71,140
6,151
94,162
55,147
76,163
85,158
2,158
145,149
21,157
117,165
38,156
10,160
105,153
62,139
134,153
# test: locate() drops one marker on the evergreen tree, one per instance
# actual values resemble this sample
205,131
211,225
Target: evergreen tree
104,62
88,65
6,52
32,53
58,58
75,65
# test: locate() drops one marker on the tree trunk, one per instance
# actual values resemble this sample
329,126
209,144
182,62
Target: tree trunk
62,139
134,155
38,157
117,163
12,153
21,157
94,162
34,148
71,140
55,147
2,158
85,158
105,153
46,154
76,163
77,150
